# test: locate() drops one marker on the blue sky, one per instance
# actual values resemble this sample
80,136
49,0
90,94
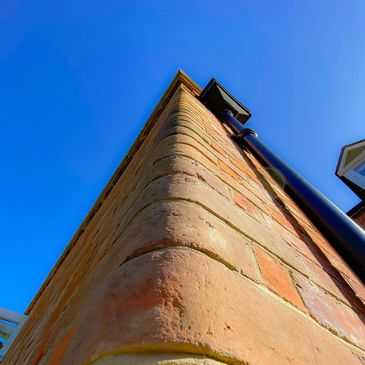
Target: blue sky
79,79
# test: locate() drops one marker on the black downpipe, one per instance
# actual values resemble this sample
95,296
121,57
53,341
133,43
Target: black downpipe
347,238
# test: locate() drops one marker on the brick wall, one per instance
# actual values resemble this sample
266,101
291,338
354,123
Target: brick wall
361,220
194,255
359,216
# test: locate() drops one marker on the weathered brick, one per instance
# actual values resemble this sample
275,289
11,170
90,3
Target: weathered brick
329,283
285,220
332,314
193,189
218,149
278,279
358,288
153,302
244,203
182,165
181,146
360,219
190,188
57,355
244,168
181,223
227,170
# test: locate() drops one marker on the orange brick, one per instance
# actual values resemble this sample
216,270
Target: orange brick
359,217
243,203
60,349
278,279
167,299
332,314
227,170
185,224
218,149
244,168
358,288
285,220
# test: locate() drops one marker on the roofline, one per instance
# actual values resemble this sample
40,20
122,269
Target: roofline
180,78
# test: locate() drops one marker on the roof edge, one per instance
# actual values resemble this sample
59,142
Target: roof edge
181,78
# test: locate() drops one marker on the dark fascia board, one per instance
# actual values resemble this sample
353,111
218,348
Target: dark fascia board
354,187
356,209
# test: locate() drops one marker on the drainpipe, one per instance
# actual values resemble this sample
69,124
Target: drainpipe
346,237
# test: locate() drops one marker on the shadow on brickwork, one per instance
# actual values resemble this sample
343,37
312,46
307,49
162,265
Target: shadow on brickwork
322,259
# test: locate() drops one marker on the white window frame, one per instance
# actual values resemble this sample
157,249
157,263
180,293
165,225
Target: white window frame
356,178
11,332
345,166
350,172
362,165
354,163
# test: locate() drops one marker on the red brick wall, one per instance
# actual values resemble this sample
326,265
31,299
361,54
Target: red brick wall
359,217
361,220
195,255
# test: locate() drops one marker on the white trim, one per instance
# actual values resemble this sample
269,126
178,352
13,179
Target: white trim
6,330
356,178
342,168
10,316
19,320
360,164
355,162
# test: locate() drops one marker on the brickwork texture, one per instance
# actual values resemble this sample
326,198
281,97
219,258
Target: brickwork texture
359,217
194,255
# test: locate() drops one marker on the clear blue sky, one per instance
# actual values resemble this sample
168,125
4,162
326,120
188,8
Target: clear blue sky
79,78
